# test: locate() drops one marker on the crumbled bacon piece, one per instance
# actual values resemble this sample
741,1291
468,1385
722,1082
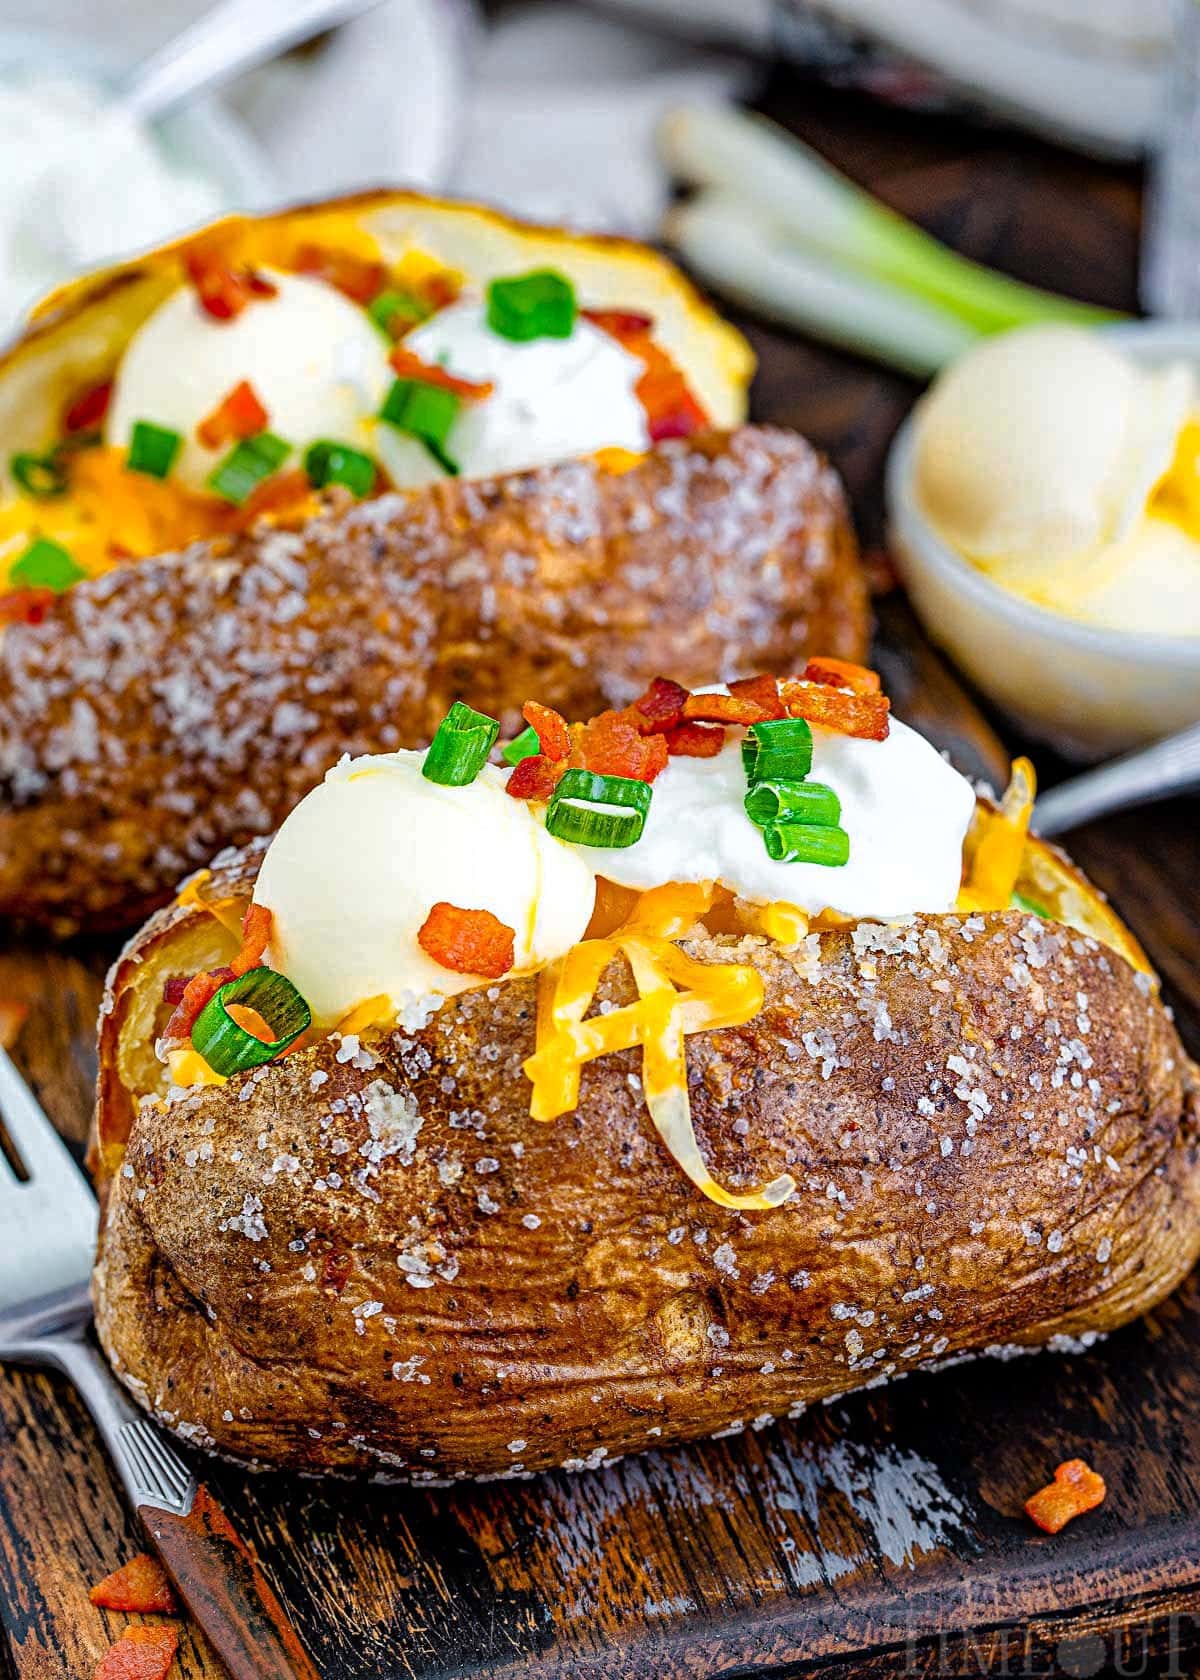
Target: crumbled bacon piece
864,716
25,606
200,989
256,934
174,987
535,777
467,941
410,366
358,278
661,706
764,691
671,409
842,673
89,408
140,1587
743,710
224,291
694,740
551,729
239,414
144,1652
1076,1488
613,745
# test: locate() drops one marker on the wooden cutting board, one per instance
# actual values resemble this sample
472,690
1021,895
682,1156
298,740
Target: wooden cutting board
879,1535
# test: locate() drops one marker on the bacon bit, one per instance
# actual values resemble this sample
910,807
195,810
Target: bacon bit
223,290
551,729
286,495
842,673
440,291
535,777
743,710
764,690
239,414
357,278
671,409
694,740
174,987
410,366
200,989
140,1587
13,1016
256,935
88,409
25,606
612,744
1076,1488
661,706
145,1652
467,941
864,716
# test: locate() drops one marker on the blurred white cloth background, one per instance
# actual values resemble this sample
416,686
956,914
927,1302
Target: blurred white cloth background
550,112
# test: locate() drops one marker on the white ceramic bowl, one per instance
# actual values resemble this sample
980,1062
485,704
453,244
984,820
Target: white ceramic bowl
1088,692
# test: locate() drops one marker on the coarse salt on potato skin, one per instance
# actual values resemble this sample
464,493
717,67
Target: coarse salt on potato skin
178,704
564,1295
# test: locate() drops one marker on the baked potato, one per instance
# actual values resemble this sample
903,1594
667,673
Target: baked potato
976,1129
255,513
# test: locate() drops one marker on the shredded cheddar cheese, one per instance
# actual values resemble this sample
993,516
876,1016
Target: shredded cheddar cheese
999,844
676,995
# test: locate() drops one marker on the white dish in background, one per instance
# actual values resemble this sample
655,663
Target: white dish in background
201,137
1088,692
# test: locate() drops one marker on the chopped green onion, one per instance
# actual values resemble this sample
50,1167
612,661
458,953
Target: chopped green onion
152,449
247,464
770,803
391,308
327,462
597,810
537,305
40,476
229,1048
524,745
45,565
807,843
778,751
426,412
1018,901
460,748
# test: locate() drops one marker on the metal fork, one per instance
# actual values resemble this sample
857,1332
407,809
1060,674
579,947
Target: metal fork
48,1224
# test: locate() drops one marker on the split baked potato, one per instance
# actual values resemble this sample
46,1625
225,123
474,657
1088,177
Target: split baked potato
181,662
366,1257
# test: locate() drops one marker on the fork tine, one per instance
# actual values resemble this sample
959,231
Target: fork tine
34,1138
48,1222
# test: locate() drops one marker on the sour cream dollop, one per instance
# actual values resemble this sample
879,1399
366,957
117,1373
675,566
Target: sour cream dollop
905,809
316,363
356,868
554,397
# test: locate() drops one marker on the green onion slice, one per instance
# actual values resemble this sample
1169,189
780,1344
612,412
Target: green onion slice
152,449
1018,901
45,565
247,465
597,810
778,751
393,310
229,1048
536,305
328,462
426,412
524,745
769,803
807,843
40,476
460,748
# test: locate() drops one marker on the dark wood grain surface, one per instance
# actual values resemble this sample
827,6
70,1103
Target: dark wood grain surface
878,1535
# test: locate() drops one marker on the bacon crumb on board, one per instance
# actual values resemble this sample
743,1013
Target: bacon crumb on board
139,1587
1076,1488
145,1652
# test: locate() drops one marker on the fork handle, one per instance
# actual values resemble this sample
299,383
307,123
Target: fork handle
222,1585
214,1569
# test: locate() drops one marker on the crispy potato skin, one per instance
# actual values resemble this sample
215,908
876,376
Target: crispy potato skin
180,704
371,1260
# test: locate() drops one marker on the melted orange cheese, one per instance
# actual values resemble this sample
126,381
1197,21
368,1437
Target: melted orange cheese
999,844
